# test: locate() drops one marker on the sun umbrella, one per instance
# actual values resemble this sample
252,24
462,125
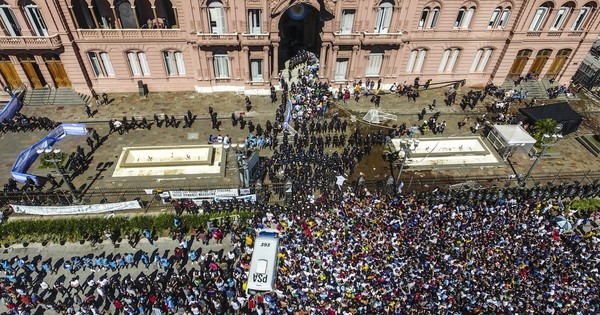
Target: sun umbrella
563,223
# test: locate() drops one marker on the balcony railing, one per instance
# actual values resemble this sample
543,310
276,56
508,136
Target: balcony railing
347,39
254,39
30,42
381,38
128,33
228,39
554,34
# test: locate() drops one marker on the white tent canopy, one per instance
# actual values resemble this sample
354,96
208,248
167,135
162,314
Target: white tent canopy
509,138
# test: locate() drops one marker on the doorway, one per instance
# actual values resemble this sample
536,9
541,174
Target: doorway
57,71
519,64
32,70
300,28
558,63
8,72
540,61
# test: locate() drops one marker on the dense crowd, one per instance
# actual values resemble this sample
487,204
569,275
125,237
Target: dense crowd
357,253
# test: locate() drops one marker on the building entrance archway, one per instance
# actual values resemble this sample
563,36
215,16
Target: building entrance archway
300,27
32,70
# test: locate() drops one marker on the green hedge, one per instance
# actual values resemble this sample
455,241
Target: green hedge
73,229
585,207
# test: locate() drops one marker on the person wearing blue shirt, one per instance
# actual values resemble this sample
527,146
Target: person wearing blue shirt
145,260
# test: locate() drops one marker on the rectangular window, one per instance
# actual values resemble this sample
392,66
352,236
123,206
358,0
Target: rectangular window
384,17
466,21
341,65
423,18
107,64
504,18
411,60
170,63
217,20
96,66
256,70
459,18
254,21
180,63
559,19
10,21
347,21
420,60
484,61
144,63
435,15
174,63
374,64
452,61
133,64
476,60
538,18
221,64
35,18
580,17
493,18
444,60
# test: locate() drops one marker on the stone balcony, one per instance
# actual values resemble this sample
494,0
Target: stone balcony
227,39
117,34
255,39
382,38
30,42
347,39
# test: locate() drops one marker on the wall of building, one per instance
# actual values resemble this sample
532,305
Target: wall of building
193,37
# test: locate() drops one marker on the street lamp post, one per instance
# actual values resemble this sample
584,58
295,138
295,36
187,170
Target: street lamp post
55,157
547,141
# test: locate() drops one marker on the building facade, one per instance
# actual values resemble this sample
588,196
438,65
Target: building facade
242,45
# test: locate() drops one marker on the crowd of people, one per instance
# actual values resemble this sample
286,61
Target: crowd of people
349,252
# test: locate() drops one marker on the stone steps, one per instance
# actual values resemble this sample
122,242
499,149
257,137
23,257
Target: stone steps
60,96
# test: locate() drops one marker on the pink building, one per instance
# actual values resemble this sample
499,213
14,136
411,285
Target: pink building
226,45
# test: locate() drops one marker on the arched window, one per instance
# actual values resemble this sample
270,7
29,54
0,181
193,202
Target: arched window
464,16
138,64
481,59
540,16
416,60
35,18
9,21
499,18
585,11
561,16
429,18
449,60
174,63
101,64
384,17
216,17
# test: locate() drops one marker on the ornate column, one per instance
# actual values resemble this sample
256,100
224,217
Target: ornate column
322,58
117,18
137,20
333,62
91,8
275,64
196,62
245,67
265,63
154,15
353,59
74,17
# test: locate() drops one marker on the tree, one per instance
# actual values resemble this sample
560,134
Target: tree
546,126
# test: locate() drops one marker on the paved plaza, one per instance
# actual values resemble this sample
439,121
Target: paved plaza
567,156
